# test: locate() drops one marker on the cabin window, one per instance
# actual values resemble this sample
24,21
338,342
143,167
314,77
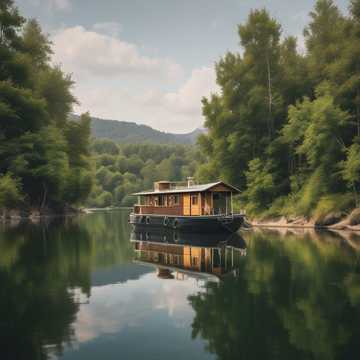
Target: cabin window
195,261
161,200
176,199
194,200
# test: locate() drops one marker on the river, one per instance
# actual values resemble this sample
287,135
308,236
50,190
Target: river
87,288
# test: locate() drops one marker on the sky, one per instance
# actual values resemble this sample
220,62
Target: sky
151,61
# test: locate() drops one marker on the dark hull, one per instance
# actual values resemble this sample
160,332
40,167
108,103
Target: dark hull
174,237
205,224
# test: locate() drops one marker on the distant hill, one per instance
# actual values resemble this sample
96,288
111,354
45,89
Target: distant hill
129,132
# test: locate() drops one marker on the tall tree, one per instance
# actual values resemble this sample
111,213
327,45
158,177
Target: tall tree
324,36
260,37
48,154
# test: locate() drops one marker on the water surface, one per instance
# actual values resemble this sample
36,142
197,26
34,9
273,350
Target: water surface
80,289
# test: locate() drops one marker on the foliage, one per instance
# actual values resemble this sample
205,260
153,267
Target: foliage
260,186
46,152
10,191
123,132
351,169
124,169
336,203
284,128
280,298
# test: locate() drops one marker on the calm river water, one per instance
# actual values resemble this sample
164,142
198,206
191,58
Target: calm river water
88,288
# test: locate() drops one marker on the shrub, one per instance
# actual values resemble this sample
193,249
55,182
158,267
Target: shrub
10,192
333,204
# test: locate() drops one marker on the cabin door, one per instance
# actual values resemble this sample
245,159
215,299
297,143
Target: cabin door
187,204
220,202
195,204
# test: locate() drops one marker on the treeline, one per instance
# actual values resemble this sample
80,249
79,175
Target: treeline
44,157
124,169
285,127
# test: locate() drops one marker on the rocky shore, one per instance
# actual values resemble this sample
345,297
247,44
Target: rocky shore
334,221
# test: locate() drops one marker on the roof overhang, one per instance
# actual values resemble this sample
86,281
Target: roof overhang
191,189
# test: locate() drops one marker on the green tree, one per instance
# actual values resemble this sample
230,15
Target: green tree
36,45
324,36
43,166
260,186
47,153
351,169
245,118
10,192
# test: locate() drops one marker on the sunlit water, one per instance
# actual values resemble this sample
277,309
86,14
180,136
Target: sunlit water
86,288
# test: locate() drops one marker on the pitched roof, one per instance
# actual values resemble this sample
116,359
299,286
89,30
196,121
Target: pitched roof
186,189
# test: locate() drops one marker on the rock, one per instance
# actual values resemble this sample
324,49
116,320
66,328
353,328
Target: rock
330,219
354,217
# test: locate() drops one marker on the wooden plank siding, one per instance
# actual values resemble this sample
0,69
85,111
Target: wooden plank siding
151,206
189,204
186,204
195,206
220,188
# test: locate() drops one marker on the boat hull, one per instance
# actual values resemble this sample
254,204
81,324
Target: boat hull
211,223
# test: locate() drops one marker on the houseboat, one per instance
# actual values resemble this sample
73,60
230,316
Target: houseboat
176,255
187,207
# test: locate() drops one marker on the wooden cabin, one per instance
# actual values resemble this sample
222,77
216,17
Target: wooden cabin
211,260
177,199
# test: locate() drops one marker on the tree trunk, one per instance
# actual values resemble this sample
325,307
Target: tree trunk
44,197
355,196
270,126
358,111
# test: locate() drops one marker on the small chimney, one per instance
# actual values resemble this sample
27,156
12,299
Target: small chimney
190,181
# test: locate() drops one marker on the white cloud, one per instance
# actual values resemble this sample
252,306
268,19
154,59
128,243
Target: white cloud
110,28
187,99
85,51
62,5
115,80
178,111
115,308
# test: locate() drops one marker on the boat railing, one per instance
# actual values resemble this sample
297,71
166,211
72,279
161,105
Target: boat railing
188,210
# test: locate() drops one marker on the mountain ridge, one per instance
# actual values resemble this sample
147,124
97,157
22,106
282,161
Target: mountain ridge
127,132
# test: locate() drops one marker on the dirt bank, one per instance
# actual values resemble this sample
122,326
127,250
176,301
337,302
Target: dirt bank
35,214
332,221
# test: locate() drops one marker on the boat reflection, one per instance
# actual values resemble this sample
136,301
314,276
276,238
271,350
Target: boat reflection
177,255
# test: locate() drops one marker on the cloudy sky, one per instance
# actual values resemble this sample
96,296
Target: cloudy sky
151,61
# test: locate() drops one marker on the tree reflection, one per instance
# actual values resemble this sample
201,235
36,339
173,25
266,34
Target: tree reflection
45,272
296,297
36,306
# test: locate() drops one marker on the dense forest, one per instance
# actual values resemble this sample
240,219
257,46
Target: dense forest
285,127
44,157
124,169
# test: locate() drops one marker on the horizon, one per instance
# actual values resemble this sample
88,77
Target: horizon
129,72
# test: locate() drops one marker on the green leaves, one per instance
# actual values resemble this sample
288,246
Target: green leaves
10,191
283,124
314,130
48,154
351,166
260,185
20,111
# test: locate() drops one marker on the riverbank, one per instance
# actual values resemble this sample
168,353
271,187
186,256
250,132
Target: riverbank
333,221
35,214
